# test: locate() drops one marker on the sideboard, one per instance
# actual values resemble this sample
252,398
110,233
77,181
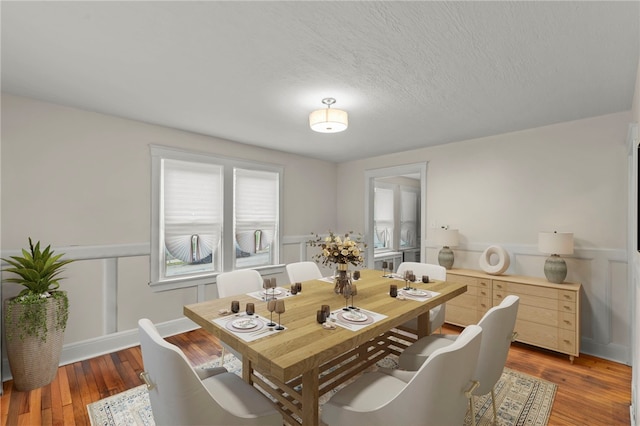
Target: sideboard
548,313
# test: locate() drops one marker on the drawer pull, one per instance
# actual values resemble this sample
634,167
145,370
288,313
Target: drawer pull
568,308
499,296
567,322
483,305
499,285
484,293
567,341
566,296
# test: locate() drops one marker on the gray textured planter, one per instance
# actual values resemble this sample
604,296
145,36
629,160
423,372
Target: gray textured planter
33,362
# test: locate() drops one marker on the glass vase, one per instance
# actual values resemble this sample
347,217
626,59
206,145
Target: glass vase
342,278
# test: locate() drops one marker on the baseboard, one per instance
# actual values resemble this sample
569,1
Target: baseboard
80,351
611,351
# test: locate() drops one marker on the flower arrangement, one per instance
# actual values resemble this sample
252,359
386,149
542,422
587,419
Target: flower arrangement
336,249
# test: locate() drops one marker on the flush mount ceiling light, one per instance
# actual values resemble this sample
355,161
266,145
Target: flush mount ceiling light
328,120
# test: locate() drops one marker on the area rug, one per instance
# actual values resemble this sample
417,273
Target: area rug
520,399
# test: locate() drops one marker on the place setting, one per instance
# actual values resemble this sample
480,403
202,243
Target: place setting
270,290
248,325
408,292
350,317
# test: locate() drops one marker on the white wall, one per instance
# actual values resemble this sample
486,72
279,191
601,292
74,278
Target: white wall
73,177
504,189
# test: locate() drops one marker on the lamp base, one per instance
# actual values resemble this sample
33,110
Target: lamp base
555,269
445,257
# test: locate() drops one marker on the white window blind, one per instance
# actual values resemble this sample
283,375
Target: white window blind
192,213
408,218
256,211
383,217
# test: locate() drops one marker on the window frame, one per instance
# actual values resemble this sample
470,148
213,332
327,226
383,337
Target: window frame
228,164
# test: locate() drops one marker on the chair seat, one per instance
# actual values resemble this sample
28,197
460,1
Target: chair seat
370,392
238,397
415,355
413,322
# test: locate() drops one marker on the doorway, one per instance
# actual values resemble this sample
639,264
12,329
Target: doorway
395,234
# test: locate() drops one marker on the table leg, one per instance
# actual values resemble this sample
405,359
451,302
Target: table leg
246,370
310,397
424,325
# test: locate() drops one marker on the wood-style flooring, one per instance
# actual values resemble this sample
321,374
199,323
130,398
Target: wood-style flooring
592,391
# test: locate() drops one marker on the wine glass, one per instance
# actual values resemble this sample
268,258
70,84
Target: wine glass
279,310
391,269
346,293
271,306
267,283
407,277
384,268
354,292
272,286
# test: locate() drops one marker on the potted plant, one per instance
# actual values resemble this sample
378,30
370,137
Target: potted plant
36,318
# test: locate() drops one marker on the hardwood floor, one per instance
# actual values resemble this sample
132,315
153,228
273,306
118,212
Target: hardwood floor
592,391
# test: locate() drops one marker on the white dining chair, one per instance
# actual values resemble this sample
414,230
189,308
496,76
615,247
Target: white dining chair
436,394
303,271
238,282
182,395
233,283
497,334
435,272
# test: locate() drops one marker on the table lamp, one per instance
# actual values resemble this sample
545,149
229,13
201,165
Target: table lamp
446,238
555,243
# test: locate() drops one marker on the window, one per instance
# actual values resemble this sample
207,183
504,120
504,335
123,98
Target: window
409,208
256,217
211,214
383,218
395,216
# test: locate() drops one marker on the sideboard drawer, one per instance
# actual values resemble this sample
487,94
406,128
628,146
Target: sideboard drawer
537,315
567,321
567,296
567,341
568,307
537,334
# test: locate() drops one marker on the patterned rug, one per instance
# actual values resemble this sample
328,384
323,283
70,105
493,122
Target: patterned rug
520,399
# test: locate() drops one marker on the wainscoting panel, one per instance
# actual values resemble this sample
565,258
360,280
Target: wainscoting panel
119,275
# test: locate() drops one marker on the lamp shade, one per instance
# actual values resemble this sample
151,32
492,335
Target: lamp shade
328,120
555,242
447,237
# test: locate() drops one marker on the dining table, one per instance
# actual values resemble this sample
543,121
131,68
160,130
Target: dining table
300,364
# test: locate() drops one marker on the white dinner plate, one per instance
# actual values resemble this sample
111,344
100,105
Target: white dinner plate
355,316
245,323
416,292
271,292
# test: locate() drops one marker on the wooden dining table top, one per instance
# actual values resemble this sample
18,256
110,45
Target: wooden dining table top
306,344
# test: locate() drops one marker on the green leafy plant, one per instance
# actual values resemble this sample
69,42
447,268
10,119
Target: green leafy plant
38,271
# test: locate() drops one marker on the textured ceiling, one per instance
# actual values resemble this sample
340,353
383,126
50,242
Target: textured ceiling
410,74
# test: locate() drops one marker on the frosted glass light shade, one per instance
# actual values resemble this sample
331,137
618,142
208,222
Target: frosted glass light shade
555,242
328,120
447,237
